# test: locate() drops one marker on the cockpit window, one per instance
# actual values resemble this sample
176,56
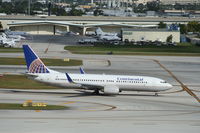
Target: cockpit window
163,82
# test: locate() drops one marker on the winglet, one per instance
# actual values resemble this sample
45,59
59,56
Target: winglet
82,71
69,78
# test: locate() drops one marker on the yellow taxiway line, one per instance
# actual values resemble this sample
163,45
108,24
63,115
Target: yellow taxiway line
69,102
185,88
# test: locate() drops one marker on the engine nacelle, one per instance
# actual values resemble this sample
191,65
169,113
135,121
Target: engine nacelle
111,90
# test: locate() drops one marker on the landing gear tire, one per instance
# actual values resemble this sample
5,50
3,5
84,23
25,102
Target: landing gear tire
156,94
96,92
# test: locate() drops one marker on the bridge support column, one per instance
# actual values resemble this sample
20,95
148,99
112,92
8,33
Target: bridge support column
67,28
84,30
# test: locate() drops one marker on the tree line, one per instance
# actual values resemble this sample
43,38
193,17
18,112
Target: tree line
192,26
21,7
159,7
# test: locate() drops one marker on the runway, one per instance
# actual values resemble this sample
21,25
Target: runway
174,111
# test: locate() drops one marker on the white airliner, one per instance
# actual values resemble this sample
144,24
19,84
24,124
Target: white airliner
16,38
108,84
99,32
109,38
6,42
21,33
107,35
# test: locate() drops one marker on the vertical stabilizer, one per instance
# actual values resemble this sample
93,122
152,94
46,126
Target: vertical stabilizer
99,32
33,62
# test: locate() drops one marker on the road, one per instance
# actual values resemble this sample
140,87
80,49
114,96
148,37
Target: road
105,19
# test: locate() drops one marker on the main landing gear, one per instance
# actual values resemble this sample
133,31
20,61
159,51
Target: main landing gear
156,94
96,92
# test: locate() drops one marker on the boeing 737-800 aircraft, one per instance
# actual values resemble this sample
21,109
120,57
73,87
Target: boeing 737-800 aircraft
108,84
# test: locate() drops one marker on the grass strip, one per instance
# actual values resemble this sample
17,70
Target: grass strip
14,106
22,82
47,62
10,50
180,49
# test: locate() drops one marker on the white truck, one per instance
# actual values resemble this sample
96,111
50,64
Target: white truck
87,41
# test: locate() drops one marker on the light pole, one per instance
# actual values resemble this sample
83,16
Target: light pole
29,7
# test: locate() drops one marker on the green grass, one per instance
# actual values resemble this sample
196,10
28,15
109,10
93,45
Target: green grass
13,106
22,82
47,62
180,49
10,50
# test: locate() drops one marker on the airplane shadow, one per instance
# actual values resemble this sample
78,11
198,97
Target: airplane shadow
149,95
80,93
41,92
86,94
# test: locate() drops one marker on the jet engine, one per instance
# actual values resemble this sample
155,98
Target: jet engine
111,90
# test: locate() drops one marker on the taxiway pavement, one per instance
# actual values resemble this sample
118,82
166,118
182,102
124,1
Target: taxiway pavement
173,111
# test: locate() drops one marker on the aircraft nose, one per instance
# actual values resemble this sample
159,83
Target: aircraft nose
169,86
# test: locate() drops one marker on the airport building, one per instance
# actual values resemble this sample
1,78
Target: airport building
6,0
144,2
39,27
149,35
49,25
122,3
172,2
129,3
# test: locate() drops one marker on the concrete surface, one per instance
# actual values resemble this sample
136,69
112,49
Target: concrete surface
128,112
173,111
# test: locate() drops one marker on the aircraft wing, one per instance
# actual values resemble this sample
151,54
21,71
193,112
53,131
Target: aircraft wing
92,86
108,89
87,86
